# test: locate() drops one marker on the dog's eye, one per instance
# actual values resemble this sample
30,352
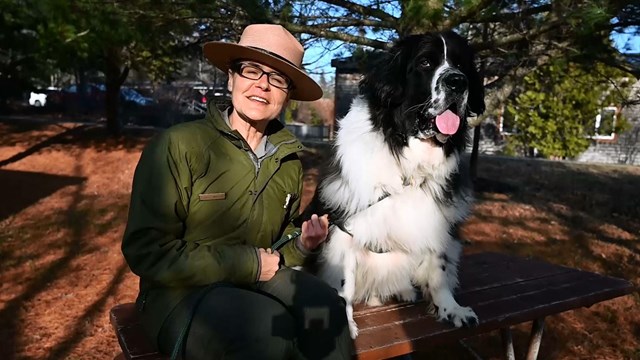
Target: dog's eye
425,64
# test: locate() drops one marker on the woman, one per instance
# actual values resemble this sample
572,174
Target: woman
210,228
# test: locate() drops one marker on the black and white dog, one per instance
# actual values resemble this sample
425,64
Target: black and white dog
396,191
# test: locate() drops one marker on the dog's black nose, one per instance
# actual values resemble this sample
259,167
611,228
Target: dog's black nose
456,82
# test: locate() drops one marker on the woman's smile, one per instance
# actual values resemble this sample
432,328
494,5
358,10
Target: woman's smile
258,99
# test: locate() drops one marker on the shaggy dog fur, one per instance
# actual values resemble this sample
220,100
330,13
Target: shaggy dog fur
396,191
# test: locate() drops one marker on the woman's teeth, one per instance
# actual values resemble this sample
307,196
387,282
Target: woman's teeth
258,99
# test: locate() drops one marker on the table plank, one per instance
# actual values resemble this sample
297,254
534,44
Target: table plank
503,290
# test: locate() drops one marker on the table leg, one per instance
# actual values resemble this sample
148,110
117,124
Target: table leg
507,344
534,340
471,350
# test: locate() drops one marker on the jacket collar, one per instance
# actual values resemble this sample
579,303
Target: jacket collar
277,134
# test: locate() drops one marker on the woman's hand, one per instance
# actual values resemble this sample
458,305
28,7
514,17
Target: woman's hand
269,262
314,231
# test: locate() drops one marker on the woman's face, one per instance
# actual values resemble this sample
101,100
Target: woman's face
257,100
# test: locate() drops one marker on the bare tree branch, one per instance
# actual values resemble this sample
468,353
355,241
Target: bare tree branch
364,10
335,35
350,22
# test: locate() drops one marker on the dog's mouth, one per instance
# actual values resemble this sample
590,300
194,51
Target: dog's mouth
439,127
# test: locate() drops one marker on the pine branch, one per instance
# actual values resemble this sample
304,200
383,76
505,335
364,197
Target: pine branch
518,37
459,17
506,17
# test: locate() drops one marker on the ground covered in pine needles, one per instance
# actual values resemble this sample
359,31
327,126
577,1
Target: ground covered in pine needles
65,191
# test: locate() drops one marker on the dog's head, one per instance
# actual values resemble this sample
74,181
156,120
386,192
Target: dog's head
425,87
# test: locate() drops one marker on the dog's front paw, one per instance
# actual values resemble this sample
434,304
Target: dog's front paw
408,295
458,315
353,329
374,301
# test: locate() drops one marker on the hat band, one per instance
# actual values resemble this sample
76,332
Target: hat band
274,55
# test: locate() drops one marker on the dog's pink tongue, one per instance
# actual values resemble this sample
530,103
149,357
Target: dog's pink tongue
448,122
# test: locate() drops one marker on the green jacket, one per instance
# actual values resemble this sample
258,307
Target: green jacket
200,207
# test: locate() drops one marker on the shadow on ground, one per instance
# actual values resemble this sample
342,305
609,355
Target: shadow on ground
25,188
42,136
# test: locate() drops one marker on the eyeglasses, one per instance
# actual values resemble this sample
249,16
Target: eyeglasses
252,72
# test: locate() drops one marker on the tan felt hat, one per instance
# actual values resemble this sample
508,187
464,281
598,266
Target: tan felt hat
273,46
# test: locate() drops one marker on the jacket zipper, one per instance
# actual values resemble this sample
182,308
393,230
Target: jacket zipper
254,159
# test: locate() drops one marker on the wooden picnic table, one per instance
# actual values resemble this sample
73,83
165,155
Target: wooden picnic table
503,290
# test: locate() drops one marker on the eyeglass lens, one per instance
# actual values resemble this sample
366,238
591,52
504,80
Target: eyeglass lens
254,73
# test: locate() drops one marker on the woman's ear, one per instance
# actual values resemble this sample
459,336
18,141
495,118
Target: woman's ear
230,81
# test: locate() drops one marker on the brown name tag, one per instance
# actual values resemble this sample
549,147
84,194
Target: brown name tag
212,196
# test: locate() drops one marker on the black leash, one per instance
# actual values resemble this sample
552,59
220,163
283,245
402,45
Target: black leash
340,222
179,347
285,239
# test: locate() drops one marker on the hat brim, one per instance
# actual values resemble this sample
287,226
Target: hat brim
222,54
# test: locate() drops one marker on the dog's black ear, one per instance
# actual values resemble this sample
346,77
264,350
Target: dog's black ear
476,91
385,73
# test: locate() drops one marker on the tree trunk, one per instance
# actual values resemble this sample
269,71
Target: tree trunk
114,125
473,162
114,80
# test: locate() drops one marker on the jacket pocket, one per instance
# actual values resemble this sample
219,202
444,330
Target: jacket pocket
212,196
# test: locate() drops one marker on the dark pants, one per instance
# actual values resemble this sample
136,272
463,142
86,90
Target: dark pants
293,316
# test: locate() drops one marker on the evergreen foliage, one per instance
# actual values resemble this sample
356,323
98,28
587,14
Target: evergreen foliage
556,108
